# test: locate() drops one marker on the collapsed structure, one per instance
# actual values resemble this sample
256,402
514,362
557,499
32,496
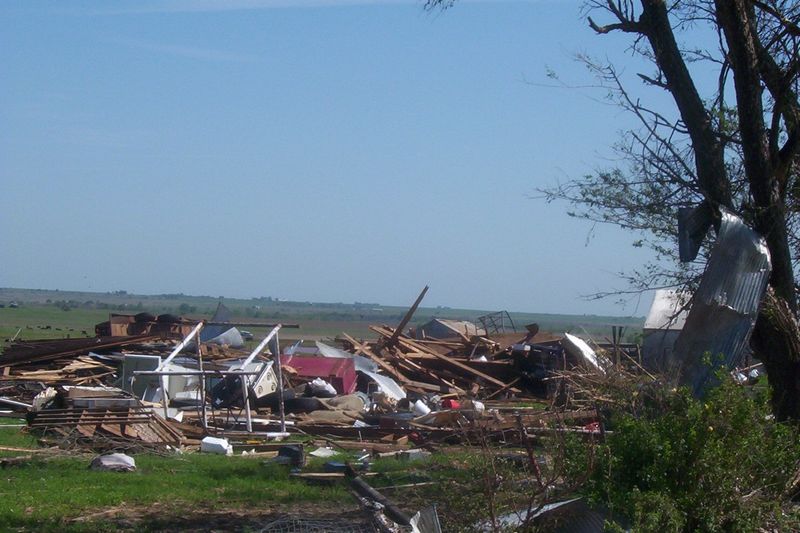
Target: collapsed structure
149,382
157,385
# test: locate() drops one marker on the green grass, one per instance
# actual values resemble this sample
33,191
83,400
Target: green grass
13,437
62,323
317,319
49,492
46,493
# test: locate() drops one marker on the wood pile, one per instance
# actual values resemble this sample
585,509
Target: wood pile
139,424
439,366
32,352
81,371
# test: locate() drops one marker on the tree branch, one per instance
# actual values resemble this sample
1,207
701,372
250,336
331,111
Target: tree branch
627,26
791,27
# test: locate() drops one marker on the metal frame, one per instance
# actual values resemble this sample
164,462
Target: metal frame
270,339
496,322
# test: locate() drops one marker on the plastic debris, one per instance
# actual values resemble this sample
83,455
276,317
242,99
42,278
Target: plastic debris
113,462
216,445
323,452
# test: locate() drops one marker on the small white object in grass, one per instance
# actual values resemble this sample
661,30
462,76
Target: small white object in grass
215,445
323,452
114,462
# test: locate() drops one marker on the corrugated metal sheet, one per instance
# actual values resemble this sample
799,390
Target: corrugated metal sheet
664,323
568,516
725,306
665,312
693,224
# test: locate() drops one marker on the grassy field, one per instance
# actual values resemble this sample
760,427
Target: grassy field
55,491
52,493
72,313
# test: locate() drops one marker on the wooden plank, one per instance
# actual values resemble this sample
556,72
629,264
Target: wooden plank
87,420
30,351
116,430
443,389
408,343
86,431
424,371
501,389
366,350
453,345
363,348
406,318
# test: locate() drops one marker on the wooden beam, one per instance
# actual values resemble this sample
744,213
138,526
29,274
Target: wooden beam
411,345
498,391
407,318
363,348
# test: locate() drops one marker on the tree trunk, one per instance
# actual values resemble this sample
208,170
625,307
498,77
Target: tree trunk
737,19
776,338
776,342
709,152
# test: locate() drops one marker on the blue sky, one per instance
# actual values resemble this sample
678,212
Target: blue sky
313,150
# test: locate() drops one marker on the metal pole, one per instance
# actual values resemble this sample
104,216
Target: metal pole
245,381
165,397
202,386
261,346
170,357
276,353
182,345
245,395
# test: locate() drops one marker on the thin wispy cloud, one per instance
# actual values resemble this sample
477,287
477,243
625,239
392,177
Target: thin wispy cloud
188,51
204,6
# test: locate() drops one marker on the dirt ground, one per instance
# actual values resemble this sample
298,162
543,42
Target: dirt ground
160,517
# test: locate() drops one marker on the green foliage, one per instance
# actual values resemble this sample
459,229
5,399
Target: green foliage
717,464
46,494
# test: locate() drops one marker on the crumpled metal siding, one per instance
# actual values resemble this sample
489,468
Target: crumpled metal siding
693,224
725,306
221,334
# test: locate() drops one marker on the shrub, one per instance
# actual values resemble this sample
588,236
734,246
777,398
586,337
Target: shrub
717,464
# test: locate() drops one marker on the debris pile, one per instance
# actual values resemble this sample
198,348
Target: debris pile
164,381
99,417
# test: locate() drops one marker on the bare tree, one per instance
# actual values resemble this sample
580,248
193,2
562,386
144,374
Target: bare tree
735,146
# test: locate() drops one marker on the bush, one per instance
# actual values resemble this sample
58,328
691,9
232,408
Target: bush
717,464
